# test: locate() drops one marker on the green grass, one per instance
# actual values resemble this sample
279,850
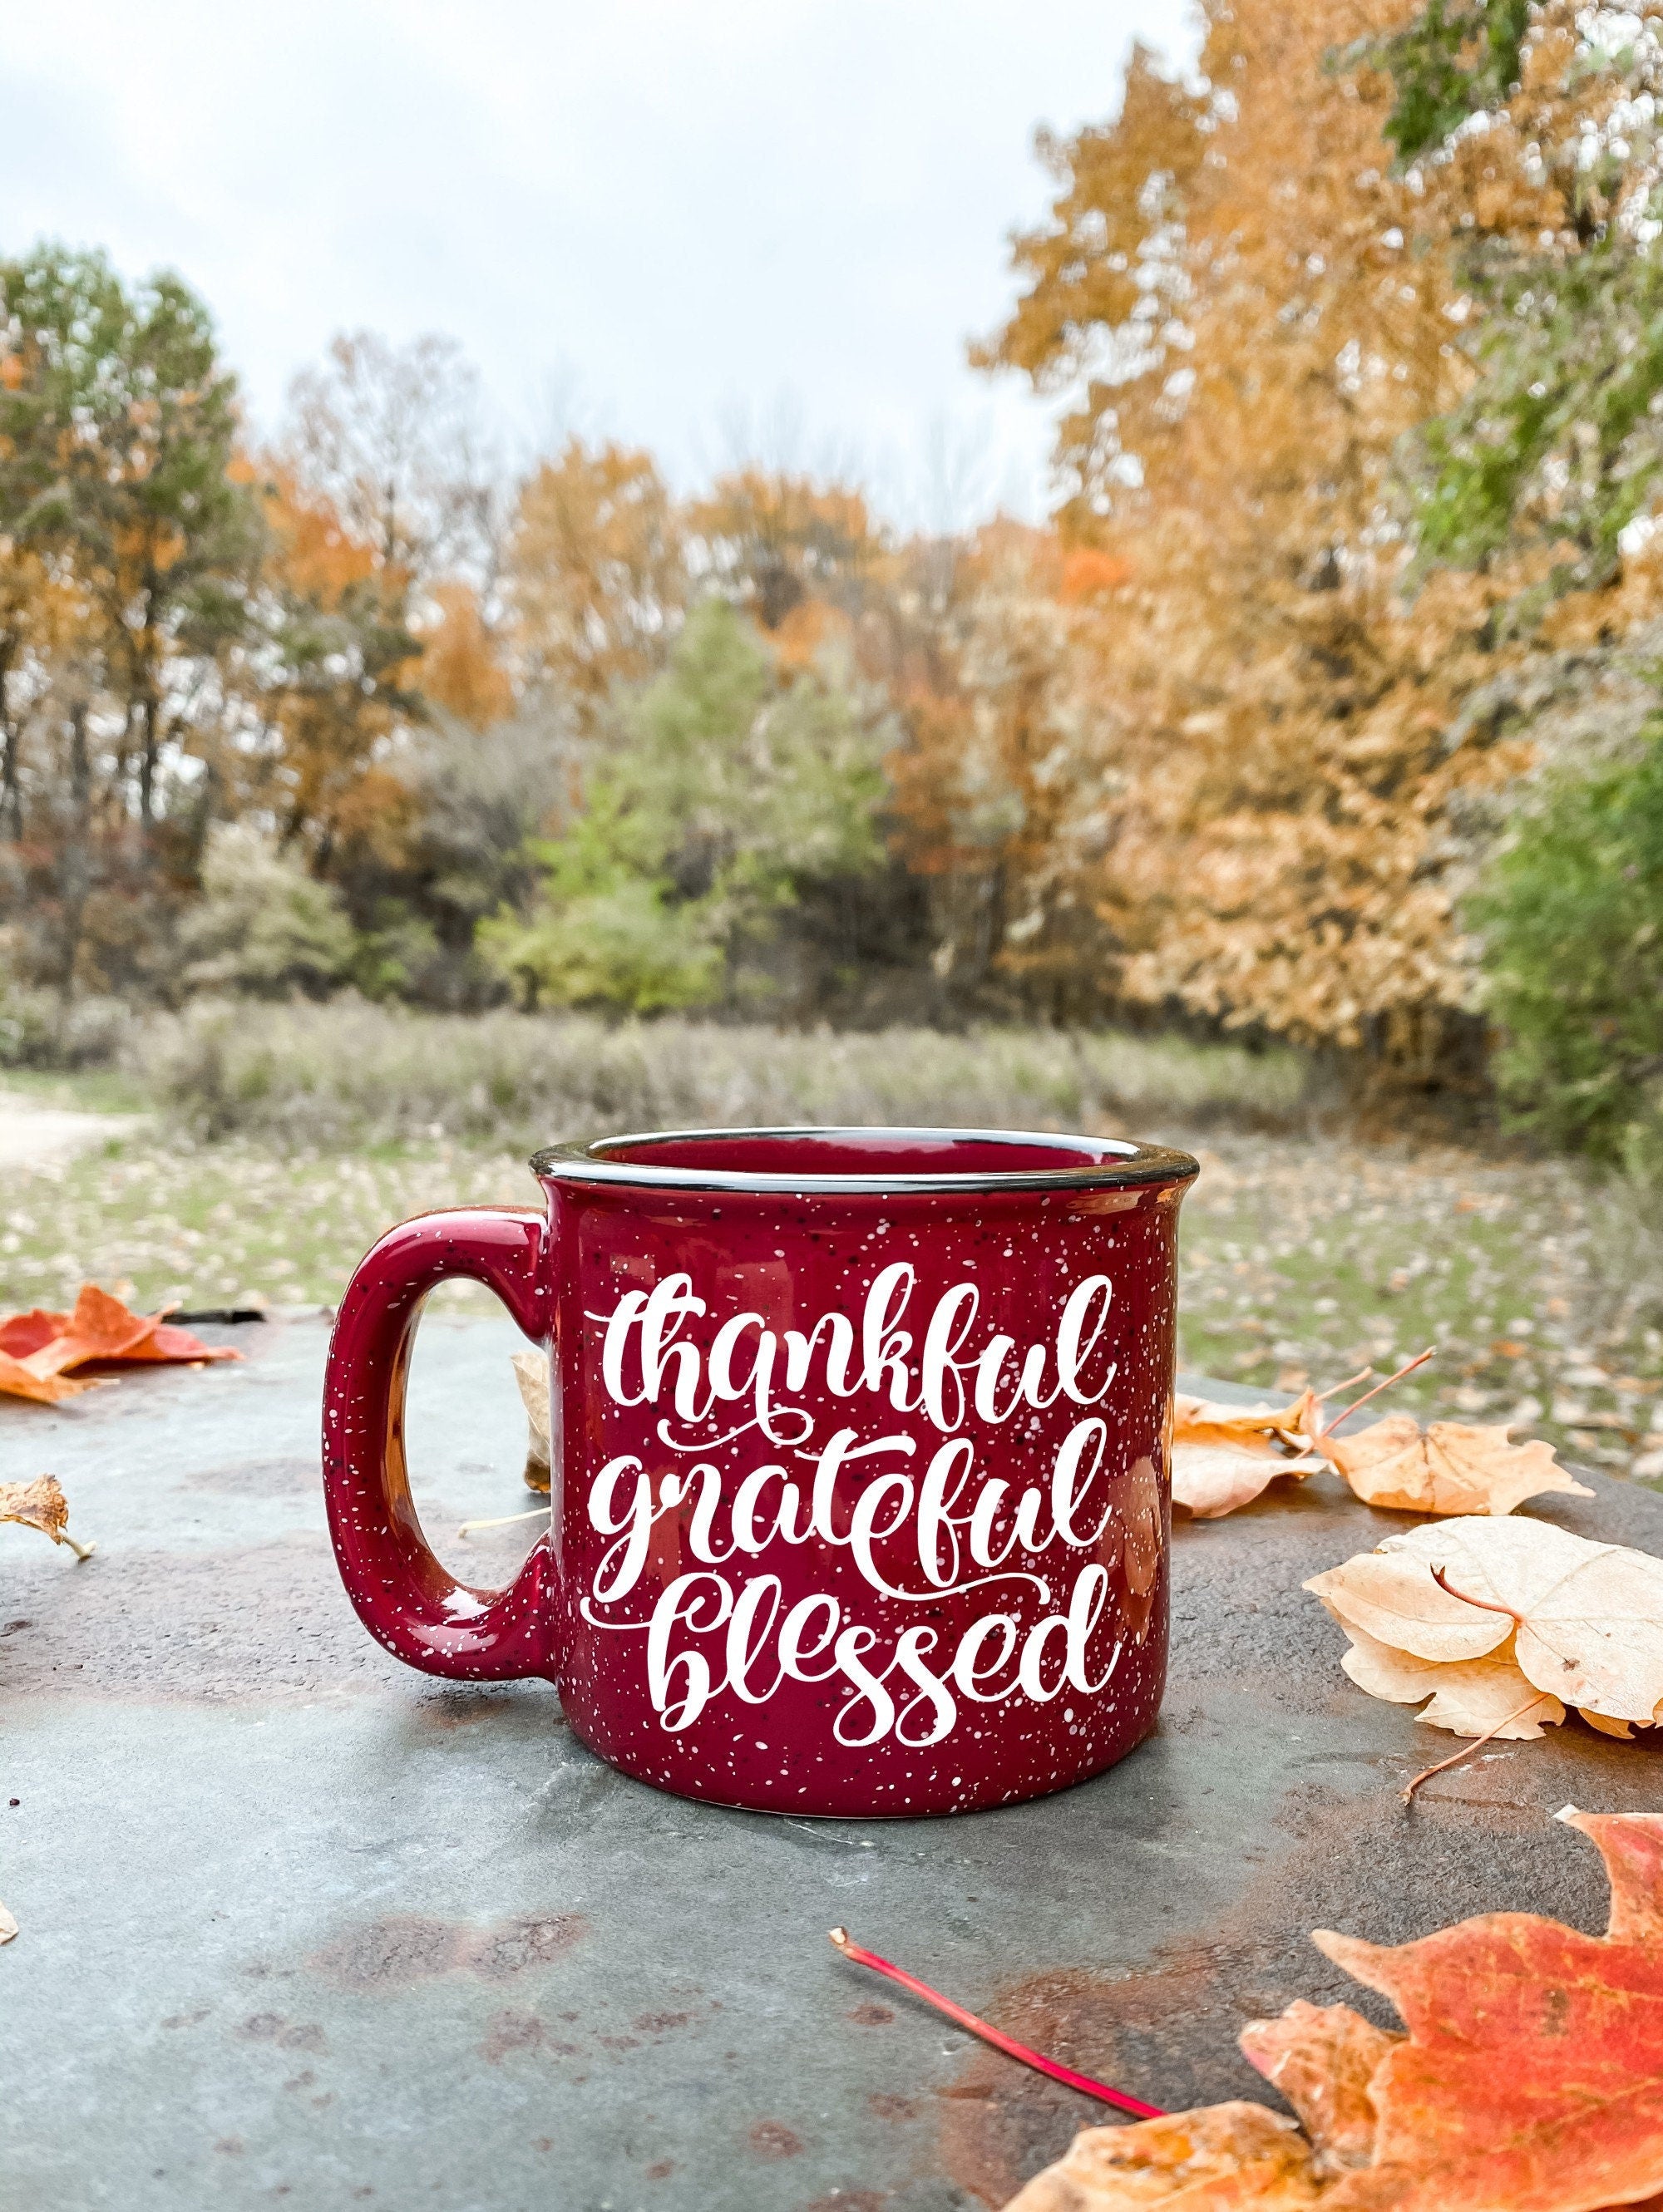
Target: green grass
281,1140
87,1090
206,1225
1541,1290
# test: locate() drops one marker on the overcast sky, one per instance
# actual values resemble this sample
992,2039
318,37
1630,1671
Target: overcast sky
711,226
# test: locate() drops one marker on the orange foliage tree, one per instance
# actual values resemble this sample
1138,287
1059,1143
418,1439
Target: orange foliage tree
328,677
594,570
1244,304
771,540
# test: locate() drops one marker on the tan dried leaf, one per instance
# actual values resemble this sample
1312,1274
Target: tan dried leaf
530,1372
1267,1429
1235,2155
1585,1619
1210,1480
8,1925
1450,1468
1622,1731
40,1504
1470,1697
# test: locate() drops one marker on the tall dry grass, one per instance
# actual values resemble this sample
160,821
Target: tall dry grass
349,1074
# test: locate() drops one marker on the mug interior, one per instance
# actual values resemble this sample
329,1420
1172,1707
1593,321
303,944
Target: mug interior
870,1159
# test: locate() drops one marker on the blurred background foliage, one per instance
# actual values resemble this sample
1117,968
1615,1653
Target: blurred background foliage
1323,714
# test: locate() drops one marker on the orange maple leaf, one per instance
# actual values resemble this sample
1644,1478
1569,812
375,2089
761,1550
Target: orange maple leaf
17,1381
1532,2072
24,1332
1530,2080
101,1331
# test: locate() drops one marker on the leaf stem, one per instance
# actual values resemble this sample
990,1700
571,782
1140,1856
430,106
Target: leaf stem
1439,1576
1319,1397
841,1942
506,1521
1407,1368
1476,1744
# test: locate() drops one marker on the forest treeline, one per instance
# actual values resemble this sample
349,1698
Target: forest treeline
1325,708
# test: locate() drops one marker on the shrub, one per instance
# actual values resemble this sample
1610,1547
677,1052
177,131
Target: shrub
37,1031
1572,919
264,926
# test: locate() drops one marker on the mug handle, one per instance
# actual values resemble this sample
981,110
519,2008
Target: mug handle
406,1599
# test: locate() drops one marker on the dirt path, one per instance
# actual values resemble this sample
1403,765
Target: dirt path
33,1135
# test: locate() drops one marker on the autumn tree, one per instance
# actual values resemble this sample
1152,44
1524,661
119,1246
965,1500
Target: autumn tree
771,540
392,436
325,681
118,424
31,604
1251,304
595,572
999,736
462,671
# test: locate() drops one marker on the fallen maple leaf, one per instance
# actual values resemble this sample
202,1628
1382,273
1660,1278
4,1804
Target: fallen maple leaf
1214,2160
1583,1622
38,1349
1210,1480
1532,2073
1264,1429
1470,1697
1530,2080
102,1330
24,1332
1448,1468
40,1504
1322,2058
17,1381
1223,1456
530,1372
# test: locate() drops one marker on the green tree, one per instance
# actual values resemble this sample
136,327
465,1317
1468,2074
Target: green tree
118,430
1449,63
1571,916
1557,445
727,792
603,933
1560,443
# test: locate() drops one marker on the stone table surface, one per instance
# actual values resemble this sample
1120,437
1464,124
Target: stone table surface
300,1927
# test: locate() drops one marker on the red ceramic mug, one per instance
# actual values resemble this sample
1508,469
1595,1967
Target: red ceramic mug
861,1466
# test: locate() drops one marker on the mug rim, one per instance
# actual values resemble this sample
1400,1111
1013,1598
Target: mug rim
1121,1164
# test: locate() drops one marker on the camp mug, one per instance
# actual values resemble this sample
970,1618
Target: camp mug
861,1482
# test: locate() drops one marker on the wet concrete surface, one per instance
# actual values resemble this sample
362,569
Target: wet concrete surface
301,1927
